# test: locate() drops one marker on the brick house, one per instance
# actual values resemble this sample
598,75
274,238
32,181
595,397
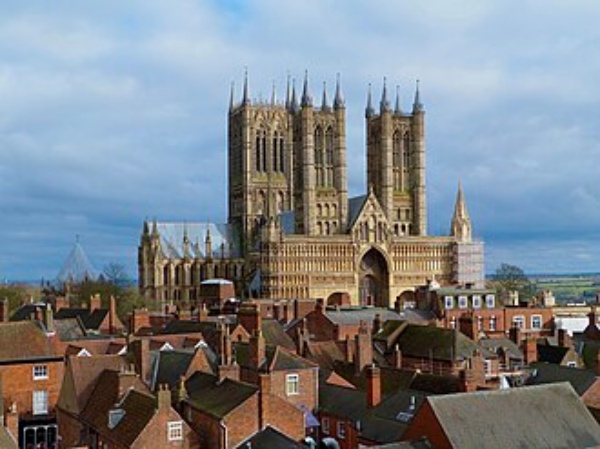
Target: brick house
545,416
32,373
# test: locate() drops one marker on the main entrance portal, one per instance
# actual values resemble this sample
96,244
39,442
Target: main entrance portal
374,280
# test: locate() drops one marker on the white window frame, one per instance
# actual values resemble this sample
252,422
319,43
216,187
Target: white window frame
477,301
40,372
292,384
175,430
463,302
490,301
493,323
448,302
39,402
453,322
341,430
325,425
479,323
571,364
541,322
487,365
518,321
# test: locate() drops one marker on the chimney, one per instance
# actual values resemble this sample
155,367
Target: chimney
564,339
141,354
319,305
348,350
126,379
467,326
515,335
139,318
12,421
181,391
364,348
376,323
257,350
4,310
296,309
249,317
530,350
373,385
38,314
60,302
112,315
397,357
49,320
286,313
264,383
95,302
163,397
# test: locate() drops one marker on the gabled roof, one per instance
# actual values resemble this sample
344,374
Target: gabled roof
506,345
358,206
355,205
207,394
354,315
551,353
435,343
545,416
275,335
69,329
272,439
24,340
544,373
276,358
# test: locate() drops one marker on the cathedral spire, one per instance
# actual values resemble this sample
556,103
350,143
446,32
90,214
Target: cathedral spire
287,92
338,102
324,103
208,242
461,222
273,95
154,227
245,98
306,98
369,111
231,96
417,105
294,100
398,109
385,104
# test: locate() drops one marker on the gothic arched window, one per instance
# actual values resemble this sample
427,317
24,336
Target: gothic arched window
329,142
397,160
319,156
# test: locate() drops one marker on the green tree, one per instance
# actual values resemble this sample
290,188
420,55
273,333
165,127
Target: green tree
17,294
512,278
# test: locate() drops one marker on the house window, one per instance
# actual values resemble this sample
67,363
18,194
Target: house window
453,322
571,364
325,425
490,301
175,430
476,302
40,402
536,322
341,429
488,367
479,323
492,323
462,302
448,302
518,321
291,384
40,372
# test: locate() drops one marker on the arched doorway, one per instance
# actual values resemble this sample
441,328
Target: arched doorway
373,280
338,299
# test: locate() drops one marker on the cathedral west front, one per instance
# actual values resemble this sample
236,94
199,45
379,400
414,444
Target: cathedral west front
294,232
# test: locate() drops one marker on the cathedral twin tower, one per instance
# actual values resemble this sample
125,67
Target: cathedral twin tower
293,231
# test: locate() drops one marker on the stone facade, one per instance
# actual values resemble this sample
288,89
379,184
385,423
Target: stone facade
293,232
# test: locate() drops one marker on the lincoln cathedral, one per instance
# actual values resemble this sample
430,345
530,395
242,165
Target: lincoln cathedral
294,232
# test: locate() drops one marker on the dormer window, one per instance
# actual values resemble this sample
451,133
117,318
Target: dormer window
490,301
448,302
114,417
463,302
476,301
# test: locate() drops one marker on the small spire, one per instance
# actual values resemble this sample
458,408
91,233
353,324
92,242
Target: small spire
306,98
338,102
385,104
273,95
461,222
245,98
324,104
287,92
369,111
146,227
417,105
294,100
398,109
231,96
154,227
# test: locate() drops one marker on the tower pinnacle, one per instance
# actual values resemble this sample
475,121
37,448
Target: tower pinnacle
324,103
369,111
461,222
385,104
306,98
338,101
417,105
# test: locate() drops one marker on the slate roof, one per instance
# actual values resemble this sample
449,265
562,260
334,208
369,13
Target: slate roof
436,384
355,205
545,373
435,342
384,423
7,441
172,237
276,358
272,439
551,354
24,340
421,443
69,329
544,417
354,315
506,345
207,394
275,335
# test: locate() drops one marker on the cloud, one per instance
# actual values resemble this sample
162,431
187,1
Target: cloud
112,112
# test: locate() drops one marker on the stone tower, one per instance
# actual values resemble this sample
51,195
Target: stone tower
396,162
289,155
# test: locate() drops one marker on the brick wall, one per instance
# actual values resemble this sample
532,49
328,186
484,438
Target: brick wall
307,387
426,424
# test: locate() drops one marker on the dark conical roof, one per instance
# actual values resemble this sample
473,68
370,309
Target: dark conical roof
77,267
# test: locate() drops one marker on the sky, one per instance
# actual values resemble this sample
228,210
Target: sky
112,112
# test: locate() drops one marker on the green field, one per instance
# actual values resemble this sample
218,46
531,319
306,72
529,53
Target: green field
569,288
